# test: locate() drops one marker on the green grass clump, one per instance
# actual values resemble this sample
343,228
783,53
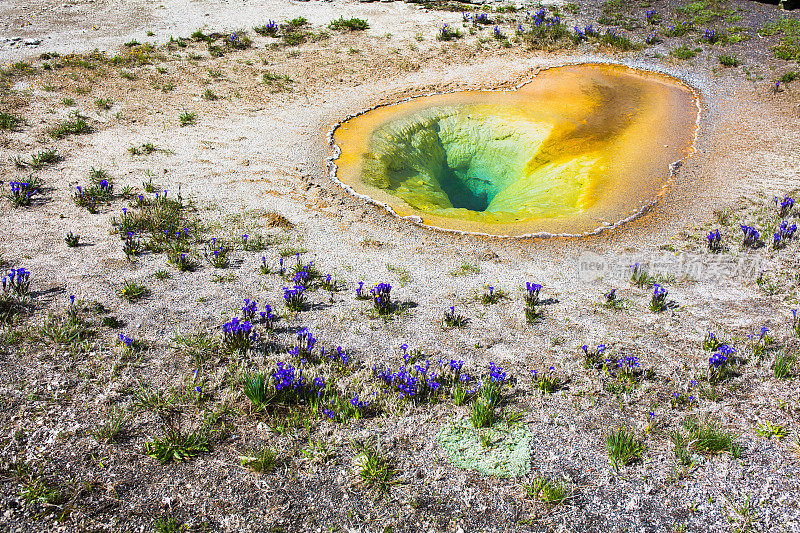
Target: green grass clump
546,382
546,490
176,445
294,38
132,291
104,103
45,157
37,490
257,389
277,82
75,126
708,437
617,40
112,427
679,29
64,329
704,12
9,121
683,52
623,447
769,430
789,77
187,118
784,365
144,149
728,60
167,525
482,413
161,218
100,191
263,461
681,447
375,470
351,24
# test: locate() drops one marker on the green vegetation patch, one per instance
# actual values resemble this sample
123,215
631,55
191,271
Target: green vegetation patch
704,12
501,450
789,47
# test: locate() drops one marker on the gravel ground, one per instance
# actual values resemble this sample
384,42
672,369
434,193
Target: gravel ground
255,162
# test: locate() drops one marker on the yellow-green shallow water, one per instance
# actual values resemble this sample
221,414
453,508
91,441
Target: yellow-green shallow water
578,148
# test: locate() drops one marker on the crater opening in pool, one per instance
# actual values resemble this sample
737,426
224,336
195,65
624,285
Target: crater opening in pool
579,148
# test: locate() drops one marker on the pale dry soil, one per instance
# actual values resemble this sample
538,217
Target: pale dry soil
260,150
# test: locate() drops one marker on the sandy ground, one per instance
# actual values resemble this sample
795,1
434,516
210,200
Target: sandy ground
255,151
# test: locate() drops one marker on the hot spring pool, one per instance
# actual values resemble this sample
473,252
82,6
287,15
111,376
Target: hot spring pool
579,148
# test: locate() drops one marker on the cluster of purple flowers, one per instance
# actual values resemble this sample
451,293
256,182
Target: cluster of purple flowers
497,374
270,28
721,357
233,40
628,366
17,282
22,192
714,241
218,253
294,298
237,335
594,358
303,350
360,405
302,277
751,236
784,206
711,36
658,302
291,386
360,294
532,293
784,234
250,312
540,18
381,297
402,380
611,298
585,33
478,18
125,340
418,382
683,398
336,356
